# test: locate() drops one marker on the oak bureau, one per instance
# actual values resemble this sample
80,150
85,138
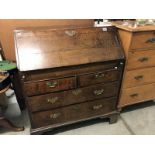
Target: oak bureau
69,74
139,75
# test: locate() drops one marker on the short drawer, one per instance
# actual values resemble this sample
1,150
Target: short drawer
99,77
73,113
143,40
137,94
141,59
47,86
139,77
54,100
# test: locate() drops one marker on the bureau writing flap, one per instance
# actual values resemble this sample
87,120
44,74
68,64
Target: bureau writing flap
49,48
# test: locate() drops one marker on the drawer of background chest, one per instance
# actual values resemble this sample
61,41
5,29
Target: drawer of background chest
139,77
141,59
47,86
137,94
54,100
143,40
73,113
99,77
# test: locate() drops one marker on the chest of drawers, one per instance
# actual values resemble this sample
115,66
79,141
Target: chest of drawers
138,80
69,75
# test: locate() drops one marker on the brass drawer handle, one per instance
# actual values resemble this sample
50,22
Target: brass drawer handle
76,92
52,84
77,107
134,95
99,92
70,33
99,75
151,40
139,77
143,59
96,107
52,100
55,115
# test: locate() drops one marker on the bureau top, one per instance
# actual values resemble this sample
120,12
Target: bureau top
42,48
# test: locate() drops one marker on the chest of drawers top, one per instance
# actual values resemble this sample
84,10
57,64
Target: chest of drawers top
44,48
137,38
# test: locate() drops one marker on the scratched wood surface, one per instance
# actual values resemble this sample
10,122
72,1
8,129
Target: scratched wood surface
50,48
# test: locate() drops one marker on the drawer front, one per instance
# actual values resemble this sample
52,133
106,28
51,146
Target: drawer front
47,86
73,113
71,71
54,100
143,40
99,77
139,77
141,59
137,94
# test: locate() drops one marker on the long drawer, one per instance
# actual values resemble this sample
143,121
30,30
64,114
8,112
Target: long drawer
141,59
47,86
73,113
137,94
139,77
143,40
54,100
99,77
61,72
